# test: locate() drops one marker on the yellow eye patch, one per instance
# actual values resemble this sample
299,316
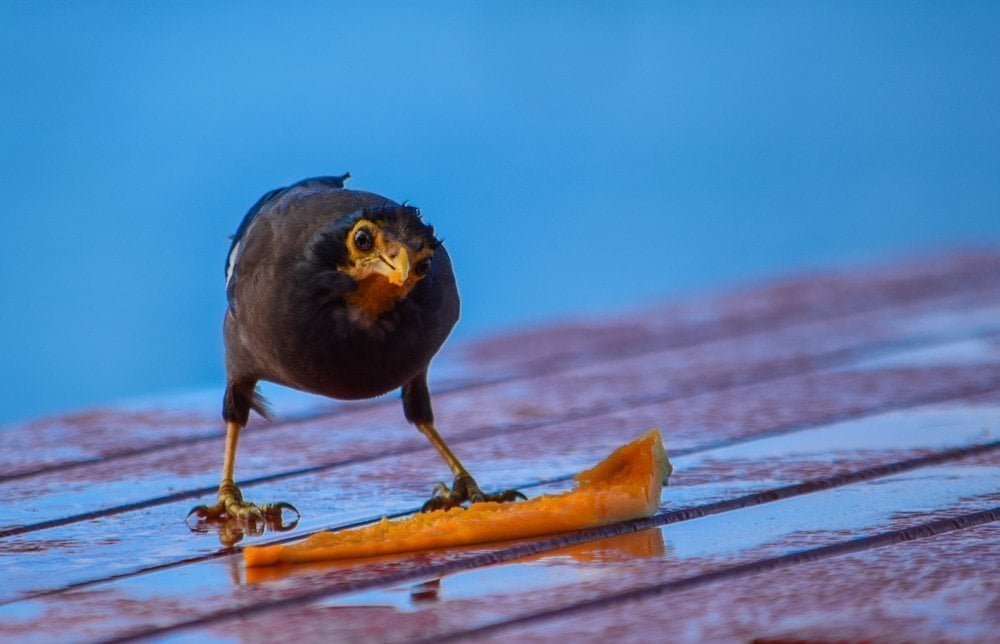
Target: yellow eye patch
382,268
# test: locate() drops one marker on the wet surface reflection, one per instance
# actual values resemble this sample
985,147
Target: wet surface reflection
552,569
232,530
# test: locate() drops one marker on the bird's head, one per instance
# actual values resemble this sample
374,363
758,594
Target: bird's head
388,251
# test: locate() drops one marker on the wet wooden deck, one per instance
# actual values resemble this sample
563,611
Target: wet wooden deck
836,440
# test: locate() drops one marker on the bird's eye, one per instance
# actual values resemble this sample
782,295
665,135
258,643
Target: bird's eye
422,267
364,241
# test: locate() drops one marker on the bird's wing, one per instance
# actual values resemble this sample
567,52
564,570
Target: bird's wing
261,206
237,238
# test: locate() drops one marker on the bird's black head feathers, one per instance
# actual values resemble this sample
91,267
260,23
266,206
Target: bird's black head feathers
403,223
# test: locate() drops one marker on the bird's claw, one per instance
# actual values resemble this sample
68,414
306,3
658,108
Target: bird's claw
465,490
247,512
234,516
507,496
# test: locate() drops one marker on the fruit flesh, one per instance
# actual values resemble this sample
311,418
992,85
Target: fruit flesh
626,485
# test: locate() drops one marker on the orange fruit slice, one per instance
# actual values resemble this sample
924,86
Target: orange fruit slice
626,485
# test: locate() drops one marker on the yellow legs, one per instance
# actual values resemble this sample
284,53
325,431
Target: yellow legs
231,507
464,489
236,517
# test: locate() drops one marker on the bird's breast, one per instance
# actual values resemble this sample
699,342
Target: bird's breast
372,298
335,354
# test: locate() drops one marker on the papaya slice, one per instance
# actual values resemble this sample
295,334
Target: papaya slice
626,485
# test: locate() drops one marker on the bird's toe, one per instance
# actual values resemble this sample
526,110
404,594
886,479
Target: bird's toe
275,510
465,490
507,496
205,512
232,511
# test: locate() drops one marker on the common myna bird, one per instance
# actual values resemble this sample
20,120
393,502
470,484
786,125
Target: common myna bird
340,293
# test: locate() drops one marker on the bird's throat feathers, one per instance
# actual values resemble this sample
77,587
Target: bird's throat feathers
373,297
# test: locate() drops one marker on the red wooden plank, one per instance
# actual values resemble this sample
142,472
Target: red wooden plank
953,280
699,480
751,309
472,599
700,377
321,600
942,588
338,495
375,431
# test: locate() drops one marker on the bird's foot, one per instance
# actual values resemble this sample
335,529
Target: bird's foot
465,490
238,517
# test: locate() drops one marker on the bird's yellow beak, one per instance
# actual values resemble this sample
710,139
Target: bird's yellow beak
394,264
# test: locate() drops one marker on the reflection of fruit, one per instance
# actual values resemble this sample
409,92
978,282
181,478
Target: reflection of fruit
630,546
626,485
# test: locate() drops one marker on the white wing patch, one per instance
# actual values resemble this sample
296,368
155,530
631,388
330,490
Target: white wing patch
232,261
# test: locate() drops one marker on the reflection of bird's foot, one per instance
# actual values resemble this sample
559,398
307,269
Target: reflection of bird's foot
465,490
249,518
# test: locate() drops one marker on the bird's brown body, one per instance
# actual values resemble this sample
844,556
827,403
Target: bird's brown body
288,321
340,293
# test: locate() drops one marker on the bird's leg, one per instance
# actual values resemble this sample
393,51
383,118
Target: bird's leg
231,504
417,409
464,489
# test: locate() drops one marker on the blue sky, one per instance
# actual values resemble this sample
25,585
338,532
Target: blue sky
576,158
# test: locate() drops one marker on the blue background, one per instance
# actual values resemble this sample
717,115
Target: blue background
576,158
